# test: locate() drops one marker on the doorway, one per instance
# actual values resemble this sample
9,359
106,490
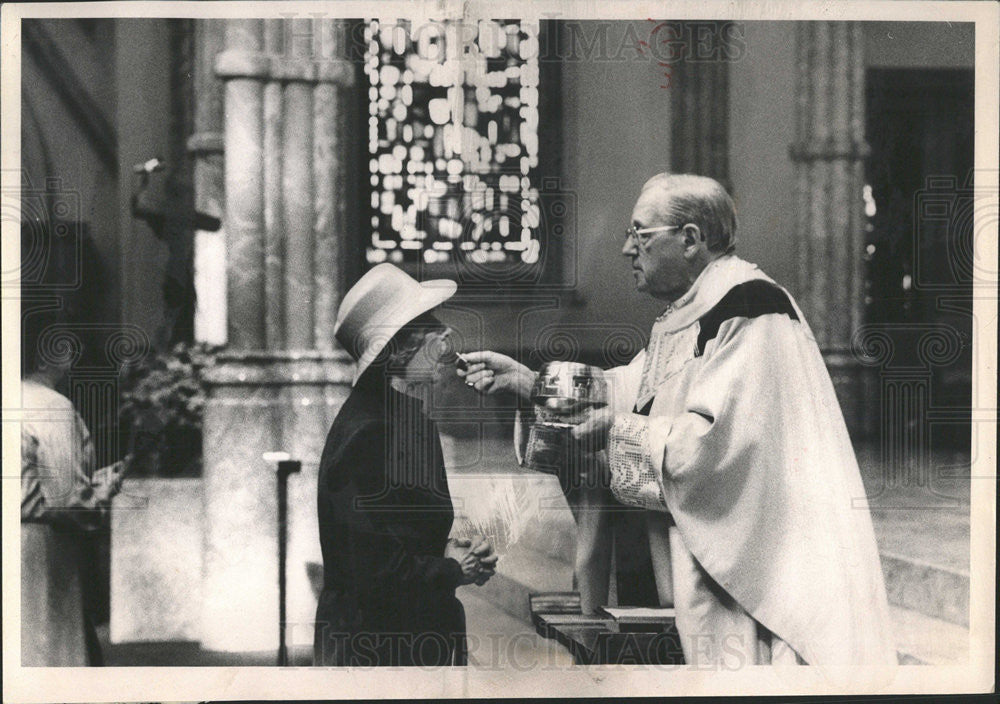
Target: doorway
920,126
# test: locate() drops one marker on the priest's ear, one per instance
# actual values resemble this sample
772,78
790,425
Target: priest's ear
694,240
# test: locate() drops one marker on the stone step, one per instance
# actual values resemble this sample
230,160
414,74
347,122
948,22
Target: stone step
922,640
934,591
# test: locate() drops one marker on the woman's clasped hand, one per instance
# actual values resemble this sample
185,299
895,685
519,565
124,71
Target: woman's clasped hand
476,558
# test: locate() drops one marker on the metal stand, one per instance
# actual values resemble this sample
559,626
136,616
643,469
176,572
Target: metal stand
285,467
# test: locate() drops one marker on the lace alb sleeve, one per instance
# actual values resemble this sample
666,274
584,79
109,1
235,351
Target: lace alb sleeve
634,475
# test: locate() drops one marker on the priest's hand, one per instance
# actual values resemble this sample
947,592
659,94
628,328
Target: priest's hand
591,434
491,372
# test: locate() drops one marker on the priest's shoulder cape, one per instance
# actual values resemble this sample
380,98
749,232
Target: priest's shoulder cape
737,432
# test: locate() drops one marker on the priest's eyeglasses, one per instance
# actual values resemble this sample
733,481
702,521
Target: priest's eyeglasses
642,237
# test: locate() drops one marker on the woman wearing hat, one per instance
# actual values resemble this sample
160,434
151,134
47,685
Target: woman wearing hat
385,513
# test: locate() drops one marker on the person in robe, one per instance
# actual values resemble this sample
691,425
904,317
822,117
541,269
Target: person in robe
385,512
736,438
64,500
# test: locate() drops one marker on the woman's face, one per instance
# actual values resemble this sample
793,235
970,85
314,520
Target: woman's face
434,360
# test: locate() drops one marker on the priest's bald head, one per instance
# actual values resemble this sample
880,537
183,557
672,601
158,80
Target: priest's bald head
680,223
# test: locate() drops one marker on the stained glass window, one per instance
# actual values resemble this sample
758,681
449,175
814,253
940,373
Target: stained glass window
453,142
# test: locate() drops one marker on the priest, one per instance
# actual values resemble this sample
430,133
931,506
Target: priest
736,439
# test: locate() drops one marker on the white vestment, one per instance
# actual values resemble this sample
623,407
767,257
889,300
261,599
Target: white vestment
773,556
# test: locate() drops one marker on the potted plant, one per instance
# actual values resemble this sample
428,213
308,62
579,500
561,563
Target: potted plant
160,417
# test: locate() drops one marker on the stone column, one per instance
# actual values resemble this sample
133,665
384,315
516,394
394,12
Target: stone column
829,153
243,67
698,76
205,144
280,383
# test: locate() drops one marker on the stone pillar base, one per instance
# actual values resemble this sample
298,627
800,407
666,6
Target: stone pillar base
260,402
156,573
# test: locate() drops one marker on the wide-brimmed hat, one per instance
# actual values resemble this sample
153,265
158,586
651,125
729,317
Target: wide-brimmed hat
378,305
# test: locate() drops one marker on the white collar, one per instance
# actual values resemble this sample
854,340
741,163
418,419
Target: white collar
714,282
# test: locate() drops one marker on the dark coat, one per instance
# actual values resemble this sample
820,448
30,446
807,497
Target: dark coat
384,518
